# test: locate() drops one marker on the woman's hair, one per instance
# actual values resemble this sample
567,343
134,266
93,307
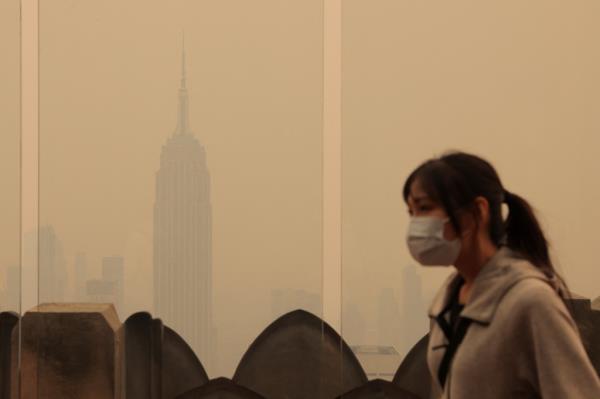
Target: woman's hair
455,179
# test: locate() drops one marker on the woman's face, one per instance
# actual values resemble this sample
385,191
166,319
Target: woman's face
420,204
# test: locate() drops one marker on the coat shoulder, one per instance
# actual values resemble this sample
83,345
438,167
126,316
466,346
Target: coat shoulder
533,295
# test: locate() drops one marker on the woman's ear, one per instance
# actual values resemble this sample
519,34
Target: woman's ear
483,210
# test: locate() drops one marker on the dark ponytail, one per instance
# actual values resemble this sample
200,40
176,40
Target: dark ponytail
524,234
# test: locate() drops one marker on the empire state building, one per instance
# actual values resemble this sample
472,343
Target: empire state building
183,236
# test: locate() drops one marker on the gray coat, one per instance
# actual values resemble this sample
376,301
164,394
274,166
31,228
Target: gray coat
522,342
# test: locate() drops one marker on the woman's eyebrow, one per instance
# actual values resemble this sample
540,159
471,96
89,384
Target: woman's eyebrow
421,198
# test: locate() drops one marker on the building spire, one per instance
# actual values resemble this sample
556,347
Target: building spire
182,116
183,60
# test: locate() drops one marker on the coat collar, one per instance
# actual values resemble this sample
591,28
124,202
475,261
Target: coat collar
494,280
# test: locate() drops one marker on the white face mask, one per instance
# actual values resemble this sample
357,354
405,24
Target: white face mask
426,242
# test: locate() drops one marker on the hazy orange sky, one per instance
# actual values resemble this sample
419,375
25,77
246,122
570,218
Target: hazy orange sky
516,82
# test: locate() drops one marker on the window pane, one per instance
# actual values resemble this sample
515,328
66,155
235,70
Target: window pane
514,82
180,158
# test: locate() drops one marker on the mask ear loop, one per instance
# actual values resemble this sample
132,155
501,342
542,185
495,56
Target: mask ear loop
441,233
457,229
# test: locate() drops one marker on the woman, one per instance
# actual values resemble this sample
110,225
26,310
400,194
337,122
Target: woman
500,327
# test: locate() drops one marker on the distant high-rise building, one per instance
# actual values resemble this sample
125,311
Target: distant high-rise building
11,296
183,237
354,328
80,276
109,288
389,324
113,270
102,291
415,322
51,265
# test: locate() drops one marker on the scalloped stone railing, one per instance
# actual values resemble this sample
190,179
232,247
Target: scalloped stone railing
84,351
